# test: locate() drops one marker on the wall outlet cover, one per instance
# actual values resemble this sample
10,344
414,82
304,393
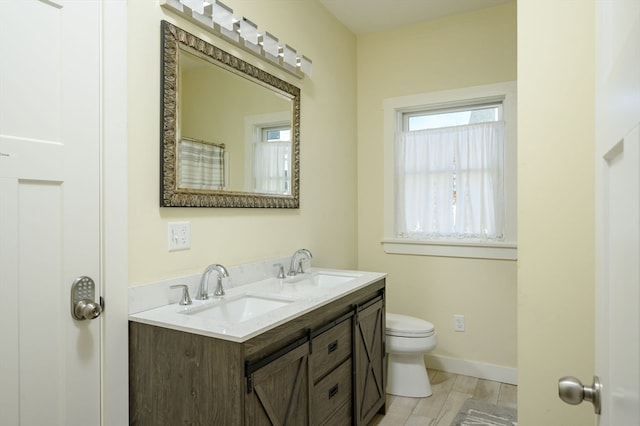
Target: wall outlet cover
179,235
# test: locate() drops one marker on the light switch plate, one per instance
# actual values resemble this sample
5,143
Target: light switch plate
179,236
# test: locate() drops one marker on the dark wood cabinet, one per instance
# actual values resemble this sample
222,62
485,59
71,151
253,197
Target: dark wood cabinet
178,378
325,367
279,391
331,371
369,359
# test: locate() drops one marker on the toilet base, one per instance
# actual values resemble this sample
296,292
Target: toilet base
407,376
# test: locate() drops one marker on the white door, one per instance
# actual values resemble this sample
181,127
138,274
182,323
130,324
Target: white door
618,210
49,210
618,294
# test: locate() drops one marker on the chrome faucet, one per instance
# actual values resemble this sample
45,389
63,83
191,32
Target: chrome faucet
203,292
296,267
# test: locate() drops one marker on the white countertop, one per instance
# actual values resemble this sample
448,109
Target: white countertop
303,298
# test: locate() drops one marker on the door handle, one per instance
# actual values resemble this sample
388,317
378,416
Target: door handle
83,293
571,391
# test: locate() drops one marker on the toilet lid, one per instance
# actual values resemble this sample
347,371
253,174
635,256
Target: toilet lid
406,326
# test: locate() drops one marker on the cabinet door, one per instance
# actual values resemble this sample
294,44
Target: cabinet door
280,391
369,360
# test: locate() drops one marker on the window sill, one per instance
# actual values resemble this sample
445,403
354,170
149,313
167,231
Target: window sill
503,251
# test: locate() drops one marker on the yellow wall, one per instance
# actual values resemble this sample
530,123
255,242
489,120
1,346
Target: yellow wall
556,207
459,51
326,220
224,121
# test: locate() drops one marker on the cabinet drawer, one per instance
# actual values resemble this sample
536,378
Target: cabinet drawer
342,417
329,349
331,393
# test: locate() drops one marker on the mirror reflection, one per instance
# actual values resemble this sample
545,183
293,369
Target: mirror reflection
234,139
244,135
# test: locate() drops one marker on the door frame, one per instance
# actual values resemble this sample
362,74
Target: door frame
114,240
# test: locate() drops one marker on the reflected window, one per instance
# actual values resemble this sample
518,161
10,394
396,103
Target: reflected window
272,160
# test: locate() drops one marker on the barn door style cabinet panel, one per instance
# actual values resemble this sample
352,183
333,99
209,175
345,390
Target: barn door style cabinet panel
278,393
325,367
369,350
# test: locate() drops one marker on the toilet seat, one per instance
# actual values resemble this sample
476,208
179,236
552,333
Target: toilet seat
406,326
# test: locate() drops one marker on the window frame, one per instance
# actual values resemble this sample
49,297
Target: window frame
419,112
394,113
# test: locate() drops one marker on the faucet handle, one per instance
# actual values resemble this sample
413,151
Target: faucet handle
281,274
185,299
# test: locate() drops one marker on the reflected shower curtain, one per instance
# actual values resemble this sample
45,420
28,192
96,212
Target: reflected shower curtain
200,165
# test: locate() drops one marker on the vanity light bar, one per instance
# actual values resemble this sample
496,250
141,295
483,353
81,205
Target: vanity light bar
218,18
249,31
222,14
289,56
270,46
305,65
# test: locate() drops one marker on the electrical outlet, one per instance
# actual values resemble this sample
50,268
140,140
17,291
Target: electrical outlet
458,322
179,236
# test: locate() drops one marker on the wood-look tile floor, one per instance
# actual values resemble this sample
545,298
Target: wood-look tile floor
450,391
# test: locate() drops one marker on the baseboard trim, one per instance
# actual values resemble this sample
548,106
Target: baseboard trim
477,369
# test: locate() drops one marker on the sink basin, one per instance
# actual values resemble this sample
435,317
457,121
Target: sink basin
238,309
325,279
330,280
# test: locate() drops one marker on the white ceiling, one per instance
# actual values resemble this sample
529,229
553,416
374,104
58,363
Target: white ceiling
369,16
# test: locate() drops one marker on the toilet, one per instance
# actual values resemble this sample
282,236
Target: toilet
407,340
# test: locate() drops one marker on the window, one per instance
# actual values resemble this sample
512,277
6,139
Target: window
450,173
272,160
267,153
449,183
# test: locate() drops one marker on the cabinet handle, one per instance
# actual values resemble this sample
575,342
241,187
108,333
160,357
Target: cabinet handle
332,346
333,391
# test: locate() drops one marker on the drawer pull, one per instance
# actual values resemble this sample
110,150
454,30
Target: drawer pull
332,346
333,391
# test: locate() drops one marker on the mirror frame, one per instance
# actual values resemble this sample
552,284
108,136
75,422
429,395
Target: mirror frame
174,39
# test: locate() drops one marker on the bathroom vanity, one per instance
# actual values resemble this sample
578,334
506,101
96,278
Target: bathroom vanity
320,360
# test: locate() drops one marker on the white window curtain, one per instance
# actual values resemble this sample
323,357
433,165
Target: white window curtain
272,167
449,183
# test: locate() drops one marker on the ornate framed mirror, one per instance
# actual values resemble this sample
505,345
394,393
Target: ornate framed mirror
230,131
